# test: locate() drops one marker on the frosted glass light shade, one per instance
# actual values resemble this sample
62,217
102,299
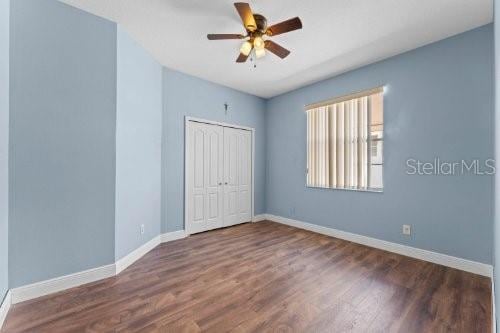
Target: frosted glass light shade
258,43
260,53
246,48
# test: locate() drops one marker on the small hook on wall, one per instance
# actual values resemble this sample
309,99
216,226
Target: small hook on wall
226,107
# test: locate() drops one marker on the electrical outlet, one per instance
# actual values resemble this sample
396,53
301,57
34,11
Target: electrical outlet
406,229
142,229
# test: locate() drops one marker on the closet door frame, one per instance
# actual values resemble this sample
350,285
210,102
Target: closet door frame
187,143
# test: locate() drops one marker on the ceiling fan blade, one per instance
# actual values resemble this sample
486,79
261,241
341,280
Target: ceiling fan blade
242,57
285,26
246,15
277,49
224,36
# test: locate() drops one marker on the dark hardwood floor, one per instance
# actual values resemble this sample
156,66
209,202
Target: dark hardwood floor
261,277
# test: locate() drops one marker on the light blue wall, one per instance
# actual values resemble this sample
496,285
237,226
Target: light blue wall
4,146
62,141
439,103
186,95
138,146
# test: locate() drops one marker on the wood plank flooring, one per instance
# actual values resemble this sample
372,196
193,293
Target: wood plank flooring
266,277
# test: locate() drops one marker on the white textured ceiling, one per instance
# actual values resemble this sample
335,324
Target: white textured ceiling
338,35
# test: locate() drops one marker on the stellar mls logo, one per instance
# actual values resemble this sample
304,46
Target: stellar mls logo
437,167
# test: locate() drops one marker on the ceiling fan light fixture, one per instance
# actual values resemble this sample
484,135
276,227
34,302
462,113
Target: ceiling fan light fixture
259,53
258,43
246,48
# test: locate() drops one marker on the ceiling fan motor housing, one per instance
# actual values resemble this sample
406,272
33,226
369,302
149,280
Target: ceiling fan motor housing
261,22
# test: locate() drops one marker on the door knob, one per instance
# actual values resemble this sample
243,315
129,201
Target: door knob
225,183
220,184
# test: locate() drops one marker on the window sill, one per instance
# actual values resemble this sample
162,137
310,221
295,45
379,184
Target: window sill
372,190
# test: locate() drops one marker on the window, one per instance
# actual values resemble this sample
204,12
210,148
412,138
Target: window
345,142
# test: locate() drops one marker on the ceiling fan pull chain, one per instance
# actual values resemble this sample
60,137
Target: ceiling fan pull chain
251,60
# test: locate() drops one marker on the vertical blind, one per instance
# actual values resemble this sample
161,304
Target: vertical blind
338,136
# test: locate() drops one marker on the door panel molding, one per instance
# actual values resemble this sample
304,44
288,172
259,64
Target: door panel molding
241,213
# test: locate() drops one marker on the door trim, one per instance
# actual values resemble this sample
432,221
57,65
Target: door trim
188,119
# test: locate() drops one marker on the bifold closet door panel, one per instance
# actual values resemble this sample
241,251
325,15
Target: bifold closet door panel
205,167
245,176
237,176
231,181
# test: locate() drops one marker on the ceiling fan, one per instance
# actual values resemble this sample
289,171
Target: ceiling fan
256,28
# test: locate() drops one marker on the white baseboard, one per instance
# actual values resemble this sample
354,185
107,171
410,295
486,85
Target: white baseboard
258,218
137,254
42,288
38,289
4,307
434,257
174,235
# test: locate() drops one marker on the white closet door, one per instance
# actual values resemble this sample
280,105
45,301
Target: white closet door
237,176
245,175
205,167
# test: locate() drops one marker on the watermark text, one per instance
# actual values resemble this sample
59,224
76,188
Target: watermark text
438,167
